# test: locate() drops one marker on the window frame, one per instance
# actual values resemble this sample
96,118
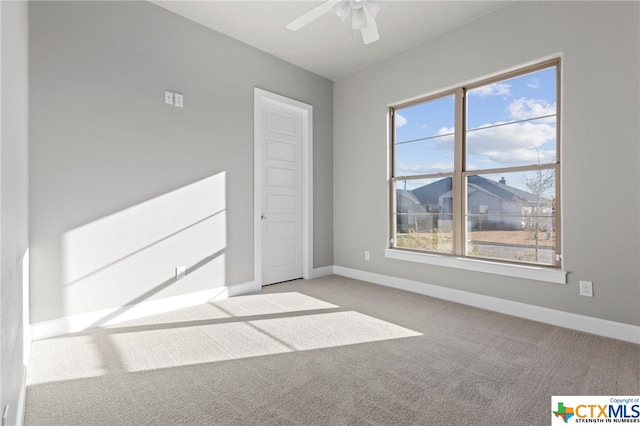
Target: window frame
460,174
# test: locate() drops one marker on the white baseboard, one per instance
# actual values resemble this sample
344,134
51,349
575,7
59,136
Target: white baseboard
22,398
615,330
322,272
26,352
80,322
26,344
236,290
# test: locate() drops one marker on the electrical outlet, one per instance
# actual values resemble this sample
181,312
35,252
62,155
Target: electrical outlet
586,288
168,98
367,256
179,100
181,271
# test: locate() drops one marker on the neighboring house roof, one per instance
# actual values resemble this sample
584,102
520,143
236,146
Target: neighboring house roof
431,193
502,190
406,200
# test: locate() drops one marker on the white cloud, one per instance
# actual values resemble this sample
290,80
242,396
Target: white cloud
517,143
494,89
446,139
513,144
533,83
423,169
500,144
525,135
446,131
400,120
523,108
522,157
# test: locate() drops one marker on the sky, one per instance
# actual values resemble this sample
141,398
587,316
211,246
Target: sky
509,123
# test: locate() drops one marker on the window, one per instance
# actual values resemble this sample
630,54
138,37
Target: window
475,170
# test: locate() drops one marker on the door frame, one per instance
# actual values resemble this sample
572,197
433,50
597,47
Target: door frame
260,95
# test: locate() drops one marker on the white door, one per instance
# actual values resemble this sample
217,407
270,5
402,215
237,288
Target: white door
281,135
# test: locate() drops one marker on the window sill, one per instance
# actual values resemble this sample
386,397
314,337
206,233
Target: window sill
537,273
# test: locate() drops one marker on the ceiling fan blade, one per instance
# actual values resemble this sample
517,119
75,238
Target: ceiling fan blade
311,15
370,32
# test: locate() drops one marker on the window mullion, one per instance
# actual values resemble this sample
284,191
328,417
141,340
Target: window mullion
558,212
459,200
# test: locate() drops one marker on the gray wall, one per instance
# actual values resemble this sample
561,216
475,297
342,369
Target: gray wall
14,117
599,43
112,168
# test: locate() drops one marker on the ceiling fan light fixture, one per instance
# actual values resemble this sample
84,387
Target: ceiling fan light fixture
342,9
357,4
362,16
374,6
358,19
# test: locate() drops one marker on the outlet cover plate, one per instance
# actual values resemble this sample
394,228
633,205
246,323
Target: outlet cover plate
168,98
586,288
181,271
179,100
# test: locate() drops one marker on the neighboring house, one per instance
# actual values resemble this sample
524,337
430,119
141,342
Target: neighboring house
491,206
410,210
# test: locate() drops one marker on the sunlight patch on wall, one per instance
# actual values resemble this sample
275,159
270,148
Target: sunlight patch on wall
130,256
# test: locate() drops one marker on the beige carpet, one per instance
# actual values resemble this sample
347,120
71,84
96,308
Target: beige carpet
330,351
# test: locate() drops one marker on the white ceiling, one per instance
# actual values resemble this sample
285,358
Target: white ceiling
327,46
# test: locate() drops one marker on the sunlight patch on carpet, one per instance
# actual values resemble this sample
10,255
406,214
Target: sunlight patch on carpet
233,307
265,304
220,342
65,358
222,330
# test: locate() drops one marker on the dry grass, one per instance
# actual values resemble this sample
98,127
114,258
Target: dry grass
443,242
512,238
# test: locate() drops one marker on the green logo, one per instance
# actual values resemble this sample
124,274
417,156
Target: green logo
565,412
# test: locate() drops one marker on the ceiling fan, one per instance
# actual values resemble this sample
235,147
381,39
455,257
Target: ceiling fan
363,13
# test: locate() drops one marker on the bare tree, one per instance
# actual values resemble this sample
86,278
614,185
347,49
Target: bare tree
540,186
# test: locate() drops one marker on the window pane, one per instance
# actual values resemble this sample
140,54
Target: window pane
512,122
512,217
424,142
516,144
423,215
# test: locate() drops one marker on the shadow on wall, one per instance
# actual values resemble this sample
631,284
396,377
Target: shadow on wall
131,256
